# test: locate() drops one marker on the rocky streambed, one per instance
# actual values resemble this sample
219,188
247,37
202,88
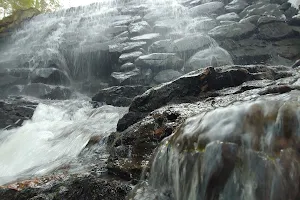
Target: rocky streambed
212,89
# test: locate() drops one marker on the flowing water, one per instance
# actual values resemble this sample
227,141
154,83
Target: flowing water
56,134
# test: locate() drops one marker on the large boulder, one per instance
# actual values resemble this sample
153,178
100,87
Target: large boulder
236,6
203,24
232,16
119,95
139,28
126,78
166,76
214,56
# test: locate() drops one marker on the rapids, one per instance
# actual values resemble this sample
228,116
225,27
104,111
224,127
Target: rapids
56,134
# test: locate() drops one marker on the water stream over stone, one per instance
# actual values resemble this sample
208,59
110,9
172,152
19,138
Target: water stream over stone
124,47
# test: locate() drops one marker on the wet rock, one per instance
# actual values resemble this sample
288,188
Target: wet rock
290,12
126,47
268,19
14,112
44,91
126,78
159,61
204,24
262,9
295,21
275,30
229,17
236,6
189,45
149,38
285,6
166,76
130,57
207,9
251,19
115,30
233,30
127,67
75,187
161,46
119,95
214,56
139,28
50,76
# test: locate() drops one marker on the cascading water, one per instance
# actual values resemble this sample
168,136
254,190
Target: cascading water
214,155
56,134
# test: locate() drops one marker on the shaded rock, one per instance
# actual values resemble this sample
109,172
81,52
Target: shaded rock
226,22
119,95
275,30
204,24
14,112
287,48
139,28
295,21
285,6
50,76
228,17
159,61
214,56
115,30
127,67
207,9
236,6
130,57
166,76
126,78
233,30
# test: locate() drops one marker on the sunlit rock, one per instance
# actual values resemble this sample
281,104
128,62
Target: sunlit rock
262,9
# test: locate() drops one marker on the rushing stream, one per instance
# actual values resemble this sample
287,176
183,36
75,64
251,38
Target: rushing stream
54,57
56,134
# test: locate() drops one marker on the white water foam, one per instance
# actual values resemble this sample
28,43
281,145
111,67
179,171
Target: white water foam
56,134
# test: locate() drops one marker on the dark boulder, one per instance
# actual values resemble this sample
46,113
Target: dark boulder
233,30
50,76
275,31
13,112
119,95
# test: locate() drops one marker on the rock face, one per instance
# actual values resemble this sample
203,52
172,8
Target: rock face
232,30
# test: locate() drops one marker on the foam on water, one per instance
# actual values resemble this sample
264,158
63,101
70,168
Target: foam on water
56,134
